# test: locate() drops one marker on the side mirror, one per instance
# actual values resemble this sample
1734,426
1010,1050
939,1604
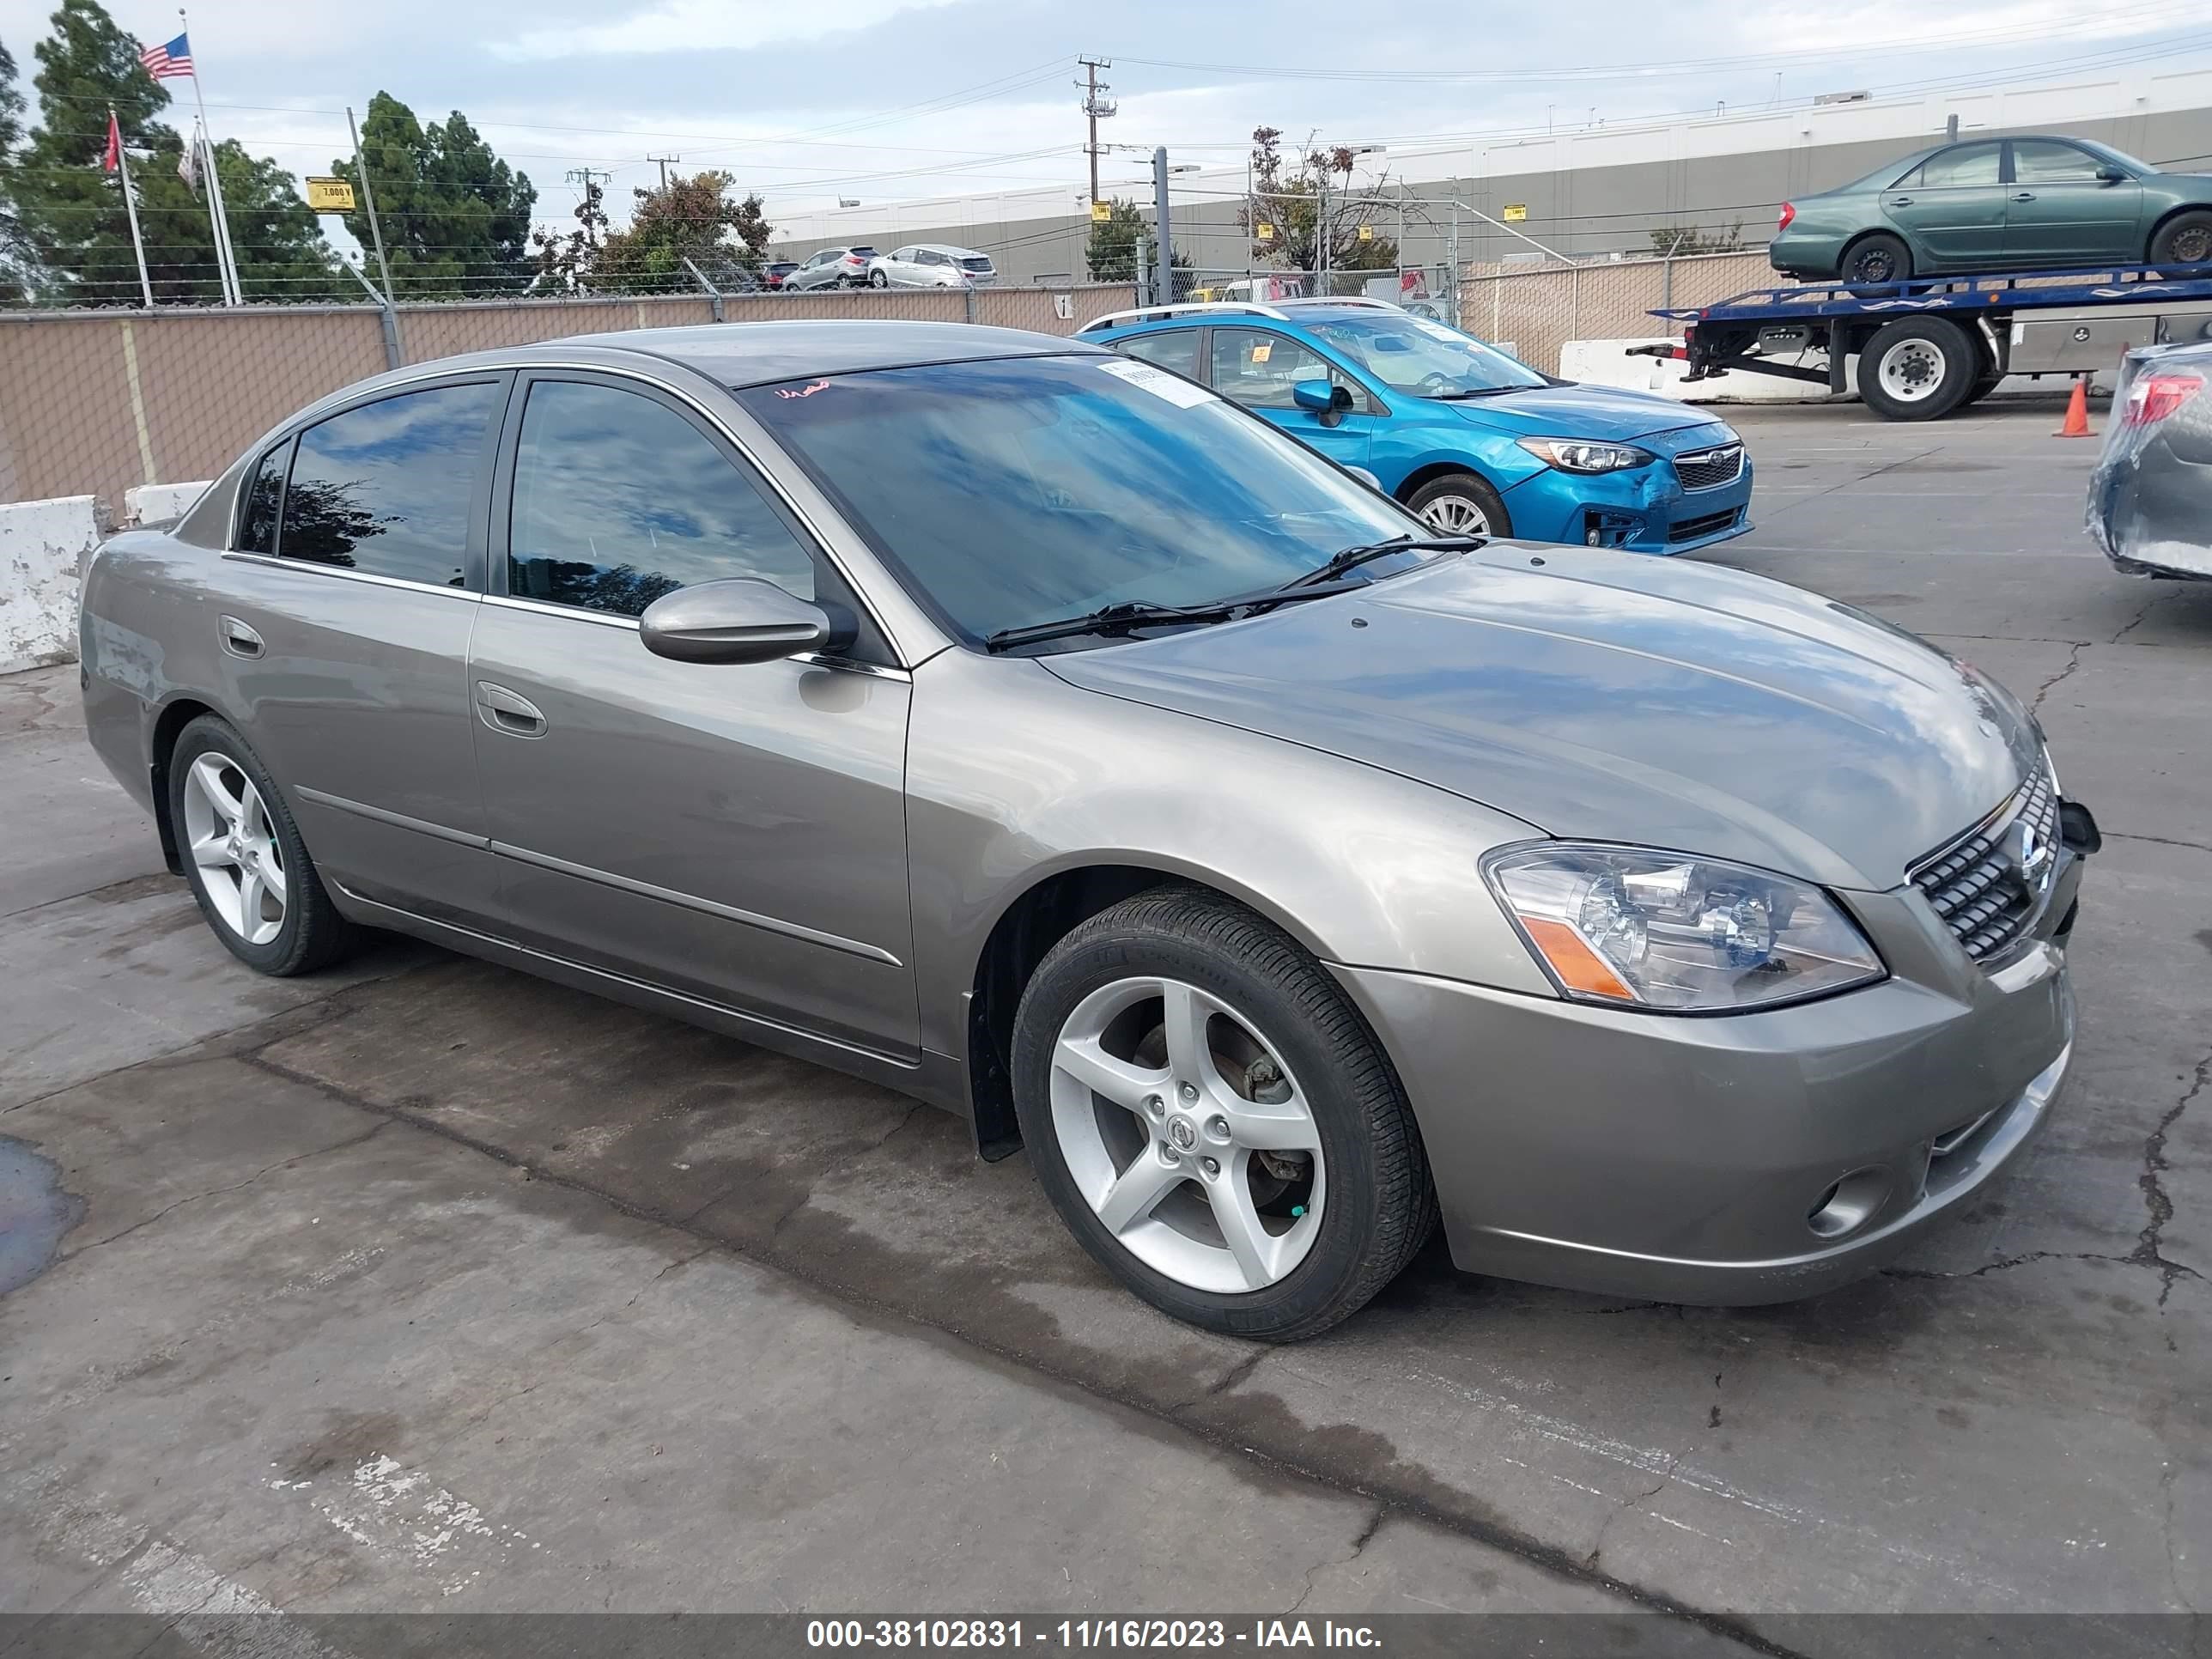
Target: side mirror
738,620
1322,396
1367,478
2111,175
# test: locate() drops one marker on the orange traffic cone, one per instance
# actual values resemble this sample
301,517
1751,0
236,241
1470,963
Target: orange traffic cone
2077,413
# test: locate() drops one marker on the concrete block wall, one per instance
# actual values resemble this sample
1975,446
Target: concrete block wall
43,547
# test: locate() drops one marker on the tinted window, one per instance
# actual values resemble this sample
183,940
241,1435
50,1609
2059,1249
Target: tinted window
1177,350
386,488
2040,162
1969,164
619,500
1258,369
1011,492
256,520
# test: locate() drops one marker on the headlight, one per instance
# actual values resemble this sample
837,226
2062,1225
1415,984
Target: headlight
1574,455
1667,931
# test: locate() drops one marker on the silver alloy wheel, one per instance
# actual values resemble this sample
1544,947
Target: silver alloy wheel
1912,370
1188,1135
228,837
1457,515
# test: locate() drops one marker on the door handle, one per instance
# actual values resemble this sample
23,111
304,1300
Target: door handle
2025,196
503,711
1901,201
239,639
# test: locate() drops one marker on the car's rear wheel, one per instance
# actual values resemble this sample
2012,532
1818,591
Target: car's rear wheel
879,278
1881,257
2183,239
244,858
1461,504
1214,1121
1917,369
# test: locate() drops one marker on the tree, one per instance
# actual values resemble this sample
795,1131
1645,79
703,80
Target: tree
1673,241
691,218
1310,207
562,261
71,212
14,256
455,218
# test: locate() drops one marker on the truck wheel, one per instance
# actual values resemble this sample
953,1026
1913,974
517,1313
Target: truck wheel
1982,386
1879,258
2183,239
1917,369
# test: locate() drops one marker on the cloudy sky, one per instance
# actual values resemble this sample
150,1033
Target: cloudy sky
808,100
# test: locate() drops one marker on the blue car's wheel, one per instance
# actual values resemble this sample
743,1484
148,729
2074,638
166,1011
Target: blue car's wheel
1461,504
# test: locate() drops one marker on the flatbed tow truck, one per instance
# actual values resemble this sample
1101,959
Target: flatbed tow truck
1930,345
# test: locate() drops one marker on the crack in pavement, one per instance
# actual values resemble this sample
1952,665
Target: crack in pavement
2160,841
2141,616
2073,662
2157,1202
1367,1535
217,1192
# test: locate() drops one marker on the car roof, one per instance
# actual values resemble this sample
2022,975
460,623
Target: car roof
1295,314
758,354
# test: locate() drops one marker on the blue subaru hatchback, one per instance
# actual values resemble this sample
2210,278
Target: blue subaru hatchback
1473,441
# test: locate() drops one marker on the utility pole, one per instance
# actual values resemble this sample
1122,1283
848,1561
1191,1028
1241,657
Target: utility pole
1164,280
1095,108
663,160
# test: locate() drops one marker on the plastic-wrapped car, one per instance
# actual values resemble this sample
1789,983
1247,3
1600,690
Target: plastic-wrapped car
2150,498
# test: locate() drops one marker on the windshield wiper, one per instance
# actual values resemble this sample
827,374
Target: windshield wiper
1353,557
1117,618
1484,392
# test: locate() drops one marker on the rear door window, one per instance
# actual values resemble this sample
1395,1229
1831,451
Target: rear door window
264,492
1967,165
1177,349
387,488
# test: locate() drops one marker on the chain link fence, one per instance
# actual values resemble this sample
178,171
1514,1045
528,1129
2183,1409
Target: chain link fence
96,402
1533,310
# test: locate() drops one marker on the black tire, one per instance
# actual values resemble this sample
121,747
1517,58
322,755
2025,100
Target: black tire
1937,365
2183,239
1467,487
313,934
879,278
1984,385
1379,1207
1881,257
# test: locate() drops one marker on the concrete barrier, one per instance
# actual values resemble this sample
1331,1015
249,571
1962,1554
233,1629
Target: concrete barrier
159,504
43,547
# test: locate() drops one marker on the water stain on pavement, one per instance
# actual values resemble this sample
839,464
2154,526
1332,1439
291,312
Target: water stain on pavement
34,1213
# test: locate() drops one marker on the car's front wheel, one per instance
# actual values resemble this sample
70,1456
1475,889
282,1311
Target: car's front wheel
1461,504
244,858
1213,1120
2183,239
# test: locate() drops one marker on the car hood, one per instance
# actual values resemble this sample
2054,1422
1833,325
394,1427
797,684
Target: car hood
1608,696
1597,412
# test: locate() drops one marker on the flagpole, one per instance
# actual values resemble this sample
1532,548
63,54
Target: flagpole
130,206
226,259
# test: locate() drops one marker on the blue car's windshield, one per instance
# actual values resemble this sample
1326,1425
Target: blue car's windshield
1010,493
1425,359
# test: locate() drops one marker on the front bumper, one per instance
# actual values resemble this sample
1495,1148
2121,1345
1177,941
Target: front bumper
1642,510
1684,1158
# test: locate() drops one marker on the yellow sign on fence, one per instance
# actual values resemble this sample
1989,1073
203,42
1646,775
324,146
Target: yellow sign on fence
1264,231
1101,212
329,196
1515,212
1367,233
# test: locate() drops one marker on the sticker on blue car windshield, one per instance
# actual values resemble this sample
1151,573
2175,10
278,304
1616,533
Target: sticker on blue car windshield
1157,381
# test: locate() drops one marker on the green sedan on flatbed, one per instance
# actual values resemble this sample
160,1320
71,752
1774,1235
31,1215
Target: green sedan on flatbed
2024,204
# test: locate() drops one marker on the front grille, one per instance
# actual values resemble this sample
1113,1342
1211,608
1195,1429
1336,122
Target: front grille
1688,530
1979,884
1709,469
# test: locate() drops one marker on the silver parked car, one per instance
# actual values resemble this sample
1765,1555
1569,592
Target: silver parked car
932,265
832,267
1026,728
2150,498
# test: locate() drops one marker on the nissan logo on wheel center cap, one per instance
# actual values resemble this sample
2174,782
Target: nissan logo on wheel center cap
1183,1134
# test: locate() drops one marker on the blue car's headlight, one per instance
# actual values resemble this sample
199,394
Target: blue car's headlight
1579,455
1665,930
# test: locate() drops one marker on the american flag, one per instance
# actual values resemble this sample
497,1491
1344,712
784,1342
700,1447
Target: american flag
174,58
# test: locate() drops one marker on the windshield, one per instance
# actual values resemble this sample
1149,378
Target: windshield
1010,493
1426,359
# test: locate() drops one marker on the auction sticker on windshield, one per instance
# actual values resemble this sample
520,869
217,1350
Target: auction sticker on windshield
1161,384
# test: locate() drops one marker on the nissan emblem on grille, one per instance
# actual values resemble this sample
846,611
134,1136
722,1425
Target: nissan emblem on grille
1989,885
